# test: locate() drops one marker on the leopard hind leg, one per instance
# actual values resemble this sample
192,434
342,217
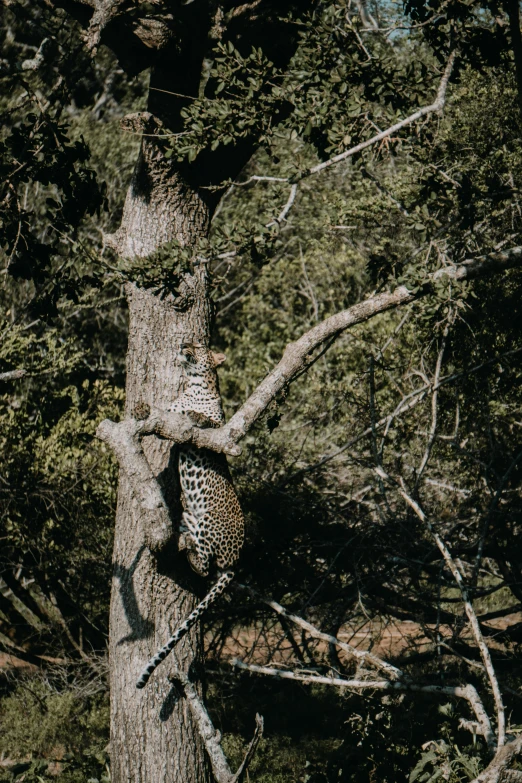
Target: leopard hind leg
198,552
221,585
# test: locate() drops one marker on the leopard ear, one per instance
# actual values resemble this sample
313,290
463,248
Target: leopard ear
218,358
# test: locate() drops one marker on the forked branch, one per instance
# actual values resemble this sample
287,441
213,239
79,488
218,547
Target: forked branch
296,359
466,692
297,355
212,738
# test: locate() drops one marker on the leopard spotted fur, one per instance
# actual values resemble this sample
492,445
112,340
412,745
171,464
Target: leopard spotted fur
212,523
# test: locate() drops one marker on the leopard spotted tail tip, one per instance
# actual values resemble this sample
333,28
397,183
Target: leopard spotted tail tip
144,677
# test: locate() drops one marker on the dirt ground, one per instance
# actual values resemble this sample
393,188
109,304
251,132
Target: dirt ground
385,637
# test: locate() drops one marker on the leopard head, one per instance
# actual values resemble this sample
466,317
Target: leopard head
201,387
198,360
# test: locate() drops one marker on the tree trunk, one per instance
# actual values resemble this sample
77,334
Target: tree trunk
153,736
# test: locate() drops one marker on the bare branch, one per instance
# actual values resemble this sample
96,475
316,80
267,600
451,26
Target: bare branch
58,617
468,607
436,106
260,178
122,439
212,738
361,655
286,209
466,692
497,771
295,354
12,375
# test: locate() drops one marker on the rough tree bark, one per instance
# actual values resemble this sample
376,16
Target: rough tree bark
153,737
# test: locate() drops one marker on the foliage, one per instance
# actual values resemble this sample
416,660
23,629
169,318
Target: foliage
446,762
244,99
63,731
58,491
58,482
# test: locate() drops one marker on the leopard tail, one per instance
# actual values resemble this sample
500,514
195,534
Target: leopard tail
221,585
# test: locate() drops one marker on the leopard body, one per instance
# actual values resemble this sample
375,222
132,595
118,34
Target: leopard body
212,523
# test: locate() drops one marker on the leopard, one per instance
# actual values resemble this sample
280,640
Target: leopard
212,523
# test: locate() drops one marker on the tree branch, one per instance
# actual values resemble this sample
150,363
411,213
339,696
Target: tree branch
295,354
468,607
286,209
361,655
12,375
212,738
497,771
179,428
466,692
122,439
436,106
